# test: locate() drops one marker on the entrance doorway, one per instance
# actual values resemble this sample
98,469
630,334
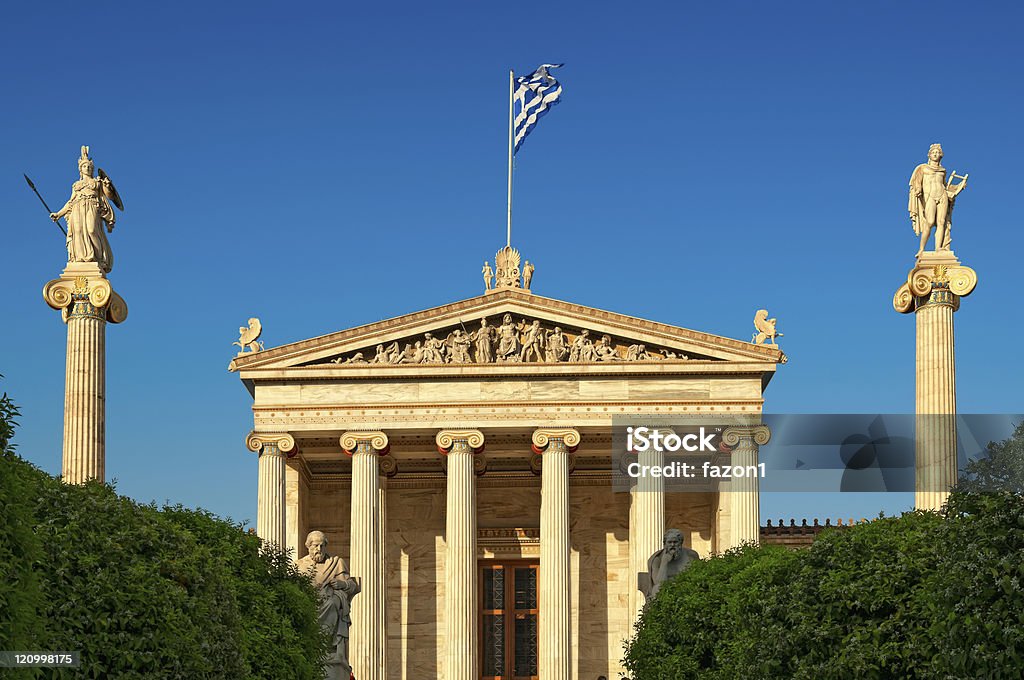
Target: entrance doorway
508,620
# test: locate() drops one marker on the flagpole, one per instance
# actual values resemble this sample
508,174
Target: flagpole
511,89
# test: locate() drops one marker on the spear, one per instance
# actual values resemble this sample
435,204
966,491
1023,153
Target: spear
33,187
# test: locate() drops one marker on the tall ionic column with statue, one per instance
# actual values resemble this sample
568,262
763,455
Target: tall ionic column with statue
87,302
932,293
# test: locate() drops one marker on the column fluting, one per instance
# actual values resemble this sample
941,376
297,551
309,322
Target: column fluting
461,601
555,630
367,634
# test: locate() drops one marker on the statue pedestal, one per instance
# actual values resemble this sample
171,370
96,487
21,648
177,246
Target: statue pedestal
934,258
87,302
932,292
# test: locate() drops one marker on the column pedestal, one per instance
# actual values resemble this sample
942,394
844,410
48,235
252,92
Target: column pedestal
87,303
555,633
367,635
933,291
461,602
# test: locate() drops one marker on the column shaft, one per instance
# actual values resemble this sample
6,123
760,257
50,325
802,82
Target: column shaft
382,604
935,442
460,566
270,505
84,395
745,520
555,632
367,630
647,522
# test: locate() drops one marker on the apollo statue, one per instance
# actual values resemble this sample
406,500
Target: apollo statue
931,200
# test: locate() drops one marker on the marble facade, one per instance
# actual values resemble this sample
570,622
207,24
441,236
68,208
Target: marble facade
420,472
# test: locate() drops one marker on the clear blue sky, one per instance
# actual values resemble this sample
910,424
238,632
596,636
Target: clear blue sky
326,165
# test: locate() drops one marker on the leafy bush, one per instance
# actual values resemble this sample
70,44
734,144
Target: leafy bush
920,596
144,592
691,628
21,594
977,614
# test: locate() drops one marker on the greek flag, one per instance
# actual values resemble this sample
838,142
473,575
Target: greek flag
535,94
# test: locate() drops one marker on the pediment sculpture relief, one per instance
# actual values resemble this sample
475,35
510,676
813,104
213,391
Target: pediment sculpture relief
512,341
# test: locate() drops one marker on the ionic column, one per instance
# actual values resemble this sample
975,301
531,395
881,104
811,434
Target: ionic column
744,500
367,635
461,615
646,519
87,302
270,495
555,635
933,293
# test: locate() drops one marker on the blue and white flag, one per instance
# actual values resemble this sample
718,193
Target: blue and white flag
535,94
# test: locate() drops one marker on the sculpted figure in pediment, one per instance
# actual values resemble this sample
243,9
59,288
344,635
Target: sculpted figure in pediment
582,348
408,354
605,350
533,342
556,346
484,339
638,353
458,344
433,350
508,340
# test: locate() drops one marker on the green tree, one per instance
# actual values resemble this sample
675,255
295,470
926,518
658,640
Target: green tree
21,594
925,595
1002,469
8,421
144,592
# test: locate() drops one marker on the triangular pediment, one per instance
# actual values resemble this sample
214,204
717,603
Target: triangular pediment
521,327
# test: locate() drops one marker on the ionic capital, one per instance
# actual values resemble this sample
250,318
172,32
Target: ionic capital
546,438
751,435
84,296
365,442
471,441
935,284
271,442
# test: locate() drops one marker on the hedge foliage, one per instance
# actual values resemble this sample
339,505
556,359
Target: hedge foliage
920,596
144,592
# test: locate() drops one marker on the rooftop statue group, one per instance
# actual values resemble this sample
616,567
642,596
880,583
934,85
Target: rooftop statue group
511,342
88,212
507,273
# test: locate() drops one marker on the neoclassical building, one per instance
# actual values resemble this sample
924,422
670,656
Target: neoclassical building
459,459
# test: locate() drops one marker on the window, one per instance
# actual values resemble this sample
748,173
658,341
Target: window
508,620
